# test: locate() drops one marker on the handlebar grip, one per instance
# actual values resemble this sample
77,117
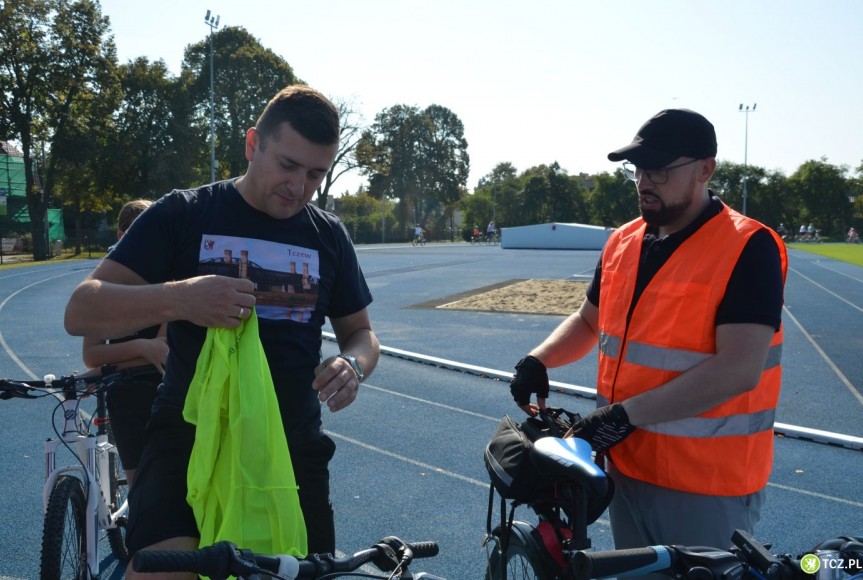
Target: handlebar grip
213,561
635,561
424,549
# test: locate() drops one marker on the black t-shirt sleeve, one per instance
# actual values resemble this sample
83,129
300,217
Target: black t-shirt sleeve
755,291
593,289
350,291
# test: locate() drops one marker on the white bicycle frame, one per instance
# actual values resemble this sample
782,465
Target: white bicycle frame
92,452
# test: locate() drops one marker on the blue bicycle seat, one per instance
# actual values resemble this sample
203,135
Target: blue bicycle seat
569,460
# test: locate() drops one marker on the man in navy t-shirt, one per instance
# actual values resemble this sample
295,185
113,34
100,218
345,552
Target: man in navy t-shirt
205,258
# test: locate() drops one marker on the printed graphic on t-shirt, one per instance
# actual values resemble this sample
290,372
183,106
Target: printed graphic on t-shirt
286,277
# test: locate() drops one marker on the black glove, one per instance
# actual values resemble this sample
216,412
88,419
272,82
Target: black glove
530,377
605,427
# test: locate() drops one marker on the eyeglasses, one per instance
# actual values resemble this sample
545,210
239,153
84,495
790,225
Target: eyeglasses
655,176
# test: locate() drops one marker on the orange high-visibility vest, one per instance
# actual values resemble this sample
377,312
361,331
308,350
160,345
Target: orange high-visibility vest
727,450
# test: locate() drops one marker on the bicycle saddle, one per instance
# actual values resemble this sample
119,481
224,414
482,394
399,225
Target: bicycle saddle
569,460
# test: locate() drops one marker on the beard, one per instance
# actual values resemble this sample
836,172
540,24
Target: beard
668,213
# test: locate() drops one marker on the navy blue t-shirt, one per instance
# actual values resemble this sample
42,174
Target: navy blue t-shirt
304,268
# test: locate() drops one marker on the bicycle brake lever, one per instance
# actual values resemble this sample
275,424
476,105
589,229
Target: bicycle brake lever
386,559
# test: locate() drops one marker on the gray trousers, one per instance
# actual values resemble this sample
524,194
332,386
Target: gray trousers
643,514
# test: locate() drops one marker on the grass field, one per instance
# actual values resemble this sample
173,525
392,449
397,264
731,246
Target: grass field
851,253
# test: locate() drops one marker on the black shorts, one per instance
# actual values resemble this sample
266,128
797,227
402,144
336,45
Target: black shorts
129,410
158,509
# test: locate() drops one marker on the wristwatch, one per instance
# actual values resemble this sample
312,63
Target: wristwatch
354,365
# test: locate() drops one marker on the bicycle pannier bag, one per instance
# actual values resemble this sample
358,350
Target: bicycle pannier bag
507,459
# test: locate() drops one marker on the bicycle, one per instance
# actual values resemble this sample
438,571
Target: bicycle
577,492
219,561
87,497
573,493
419,241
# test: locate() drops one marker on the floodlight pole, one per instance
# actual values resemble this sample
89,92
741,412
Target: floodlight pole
746,110
213,23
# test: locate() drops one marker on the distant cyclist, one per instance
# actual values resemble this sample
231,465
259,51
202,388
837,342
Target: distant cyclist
490,230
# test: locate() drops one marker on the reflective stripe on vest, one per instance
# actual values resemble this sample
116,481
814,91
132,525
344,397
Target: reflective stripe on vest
668,359
728,449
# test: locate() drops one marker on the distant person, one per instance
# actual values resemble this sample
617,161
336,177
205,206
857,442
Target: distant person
129,405
490,231
853,236
782,231
418,232
685,306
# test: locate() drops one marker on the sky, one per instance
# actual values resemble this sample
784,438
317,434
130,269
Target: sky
559,80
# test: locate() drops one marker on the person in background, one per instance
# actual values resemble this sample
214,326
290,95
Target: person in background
192,261
129,405
685,307
490,231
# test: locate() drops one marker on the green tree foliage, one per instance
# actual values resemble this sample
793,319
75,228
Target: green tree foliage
57,64
361,214
149,153
419,158
246,76
826,195
613,200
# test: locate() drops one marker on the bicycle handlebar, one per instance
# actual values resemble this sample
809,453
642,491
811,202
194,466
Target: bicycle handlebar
11,389
748,558
224,559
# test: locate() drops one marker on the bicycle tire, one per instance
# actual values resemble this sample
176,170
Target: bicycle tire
119,490
64,547
523,560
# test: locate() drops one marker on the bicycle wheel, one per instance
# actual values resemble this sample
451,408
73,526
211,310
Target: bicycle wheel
119,491
64,547
523,560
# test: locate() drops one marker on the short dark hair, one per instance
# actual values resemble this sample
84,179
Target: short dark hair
130,212
309,112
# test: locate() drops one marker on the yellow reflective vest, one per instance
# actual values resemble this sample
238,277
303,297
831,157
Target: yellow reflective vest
241,483
727,450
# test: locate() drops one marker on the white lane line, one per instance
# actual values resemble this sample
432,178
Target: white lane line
404,459
810,280
3,342
842,378
821,265
816,494
432,403
485,484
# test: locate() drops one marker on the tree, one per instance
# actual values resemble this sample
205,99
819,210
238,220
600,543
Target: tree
825,193
149,152
56,74
350,125
246,76
419,158
613,201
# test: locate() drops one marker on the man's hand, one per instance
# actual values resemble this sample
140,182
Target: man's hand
605,427
336,383
215,301
530,377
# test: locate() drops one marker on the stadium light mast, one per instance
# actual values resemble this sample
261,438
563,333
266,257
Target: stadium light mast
746,110
213,23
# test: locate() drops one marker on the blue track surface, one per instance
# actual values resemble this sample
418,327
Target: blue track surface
409,459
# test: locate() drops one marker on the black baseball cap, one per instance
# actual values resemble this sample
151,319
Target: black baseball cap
669,134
